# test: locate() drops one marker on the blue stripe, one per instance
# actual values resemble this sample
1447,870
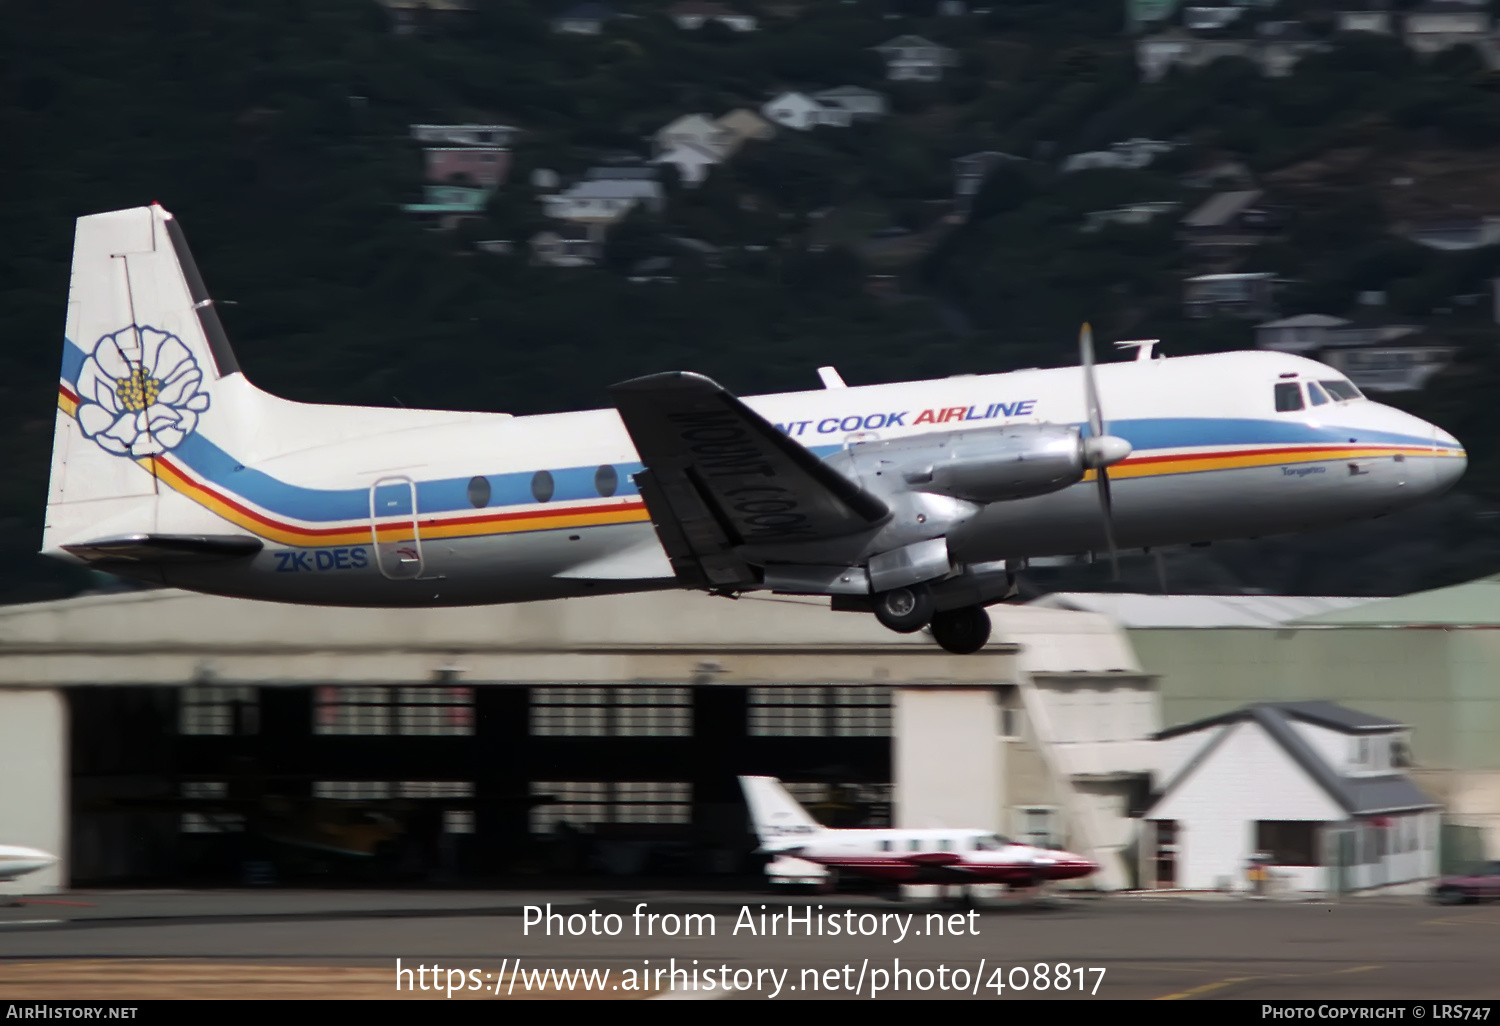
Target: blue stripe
573,484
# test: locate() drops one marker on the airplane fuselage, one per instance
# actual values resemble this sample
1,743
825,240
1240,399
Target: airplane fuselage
390,507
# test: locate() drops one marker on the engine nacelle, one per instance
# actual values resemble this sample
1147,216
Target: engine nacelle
984,465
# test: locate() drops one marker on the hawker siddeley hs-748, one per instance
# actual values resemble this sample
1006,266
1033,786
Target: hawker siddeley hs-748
907,500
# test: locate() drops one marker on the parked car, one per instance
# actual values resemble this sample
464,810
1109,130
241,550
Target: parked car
1482,884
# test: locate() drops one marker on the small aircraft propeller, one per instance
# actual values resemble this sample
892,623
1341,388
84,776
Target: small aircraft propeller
1100,450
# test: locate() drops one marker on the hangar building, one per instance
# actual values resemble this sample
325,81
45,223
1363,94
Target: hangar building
156,737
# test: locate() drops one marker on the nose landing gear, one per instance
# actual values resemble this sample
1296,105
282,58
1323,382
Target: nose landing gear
905,610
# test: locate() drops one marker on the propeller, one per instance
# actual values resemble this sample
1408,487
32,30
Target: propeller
1100,450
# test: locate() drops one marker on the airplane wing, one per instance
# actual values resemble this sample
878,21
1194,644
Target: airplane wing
719,478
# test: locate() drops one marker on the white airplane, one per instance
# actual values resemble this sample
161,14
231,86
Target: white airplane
785,830
16,861
912,500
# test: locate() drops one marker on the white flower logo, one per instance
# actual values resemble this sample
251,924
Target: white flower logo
139,394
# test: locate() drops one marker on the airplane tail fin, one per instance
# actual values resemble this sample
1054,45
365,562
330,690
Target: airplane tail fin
145,363
780,821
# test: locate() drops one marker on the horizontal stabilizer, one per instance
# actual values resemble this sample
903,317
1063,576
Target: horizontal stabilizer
167,548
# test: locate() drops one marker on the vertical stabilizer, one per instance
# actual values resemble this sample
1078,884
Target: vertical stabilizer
144,365
777,816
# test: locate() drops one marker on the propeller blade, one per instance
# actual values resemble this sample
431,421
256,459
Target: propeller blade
1090,393
1106,506
1101,451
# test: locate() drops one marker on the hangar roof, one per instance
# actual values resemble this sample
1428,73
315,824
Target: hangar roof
1475,604
165,636
1146,611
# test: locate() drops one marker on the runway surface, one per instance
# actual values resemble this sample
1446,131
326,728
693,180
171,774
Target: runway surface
294,944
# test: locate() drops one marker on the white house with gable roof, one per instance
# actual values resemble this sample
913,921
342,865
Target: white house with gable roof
1312,793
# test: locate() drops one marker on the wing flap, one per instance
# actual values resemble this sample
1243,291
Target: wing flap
720,479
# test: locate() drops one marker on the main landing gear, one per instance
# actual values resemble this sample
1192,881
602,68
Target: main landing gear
907,610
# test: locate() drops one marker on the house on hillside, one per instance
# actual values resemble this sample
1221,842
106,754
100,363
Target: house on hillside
622,173
409,17
448,206
696,130
692,162
1206,19
568,245
1228,223
1313,793
1452,233
604,202
801,112
1132,214
914,59
587,19
1238,295
1375,352
477,165
1275,49
694,14
1373,16
860,103
500,136
743,125
1132,154
1440,24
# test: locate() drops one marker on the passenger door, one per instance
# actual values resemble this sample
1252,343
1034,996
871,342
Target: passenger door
393,528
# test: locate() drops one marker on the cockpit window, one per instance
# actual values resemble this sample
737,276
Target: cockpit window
1341,390
990,842
1288,397
1315,395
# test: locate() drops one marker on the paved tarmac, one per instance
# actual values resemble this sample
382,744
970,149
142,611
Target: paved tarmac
345,944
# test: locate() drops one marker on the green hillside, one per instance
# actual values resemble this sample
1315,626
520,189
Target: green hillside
278,133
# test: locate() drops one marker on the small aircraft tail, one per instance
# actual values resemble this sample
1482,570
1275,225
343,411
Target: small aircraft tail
145,363
781,824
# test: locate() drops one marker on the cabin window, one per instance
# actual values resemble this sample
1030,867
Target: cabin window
479,492
606,480
542,486
1315,394
885,845
1288,397
915,845
1340,390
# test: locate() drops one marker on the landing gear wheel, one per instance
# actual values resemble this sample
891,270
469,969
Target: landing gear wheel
904,610
962,631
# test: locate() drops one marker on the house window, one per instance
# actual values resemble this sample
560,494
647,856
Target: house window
218,710
1038,826
611,712
1288,842
1008,699
436,710
583,804
214,822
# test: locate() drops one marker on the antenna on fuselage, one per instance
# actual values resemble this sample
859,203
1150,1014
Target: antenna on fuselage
1143,348
831,378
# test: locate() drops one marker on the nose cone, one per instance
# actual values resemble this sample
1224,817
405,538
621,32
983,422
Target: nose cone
1104,451
1449,462
1065,865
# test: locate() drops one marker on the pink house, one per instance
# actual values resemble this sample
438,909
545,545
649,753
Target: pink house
485,166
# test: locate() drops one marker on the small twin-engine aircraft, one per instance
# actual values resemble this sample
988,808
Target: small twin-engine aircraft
944,856
16,861
909,500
